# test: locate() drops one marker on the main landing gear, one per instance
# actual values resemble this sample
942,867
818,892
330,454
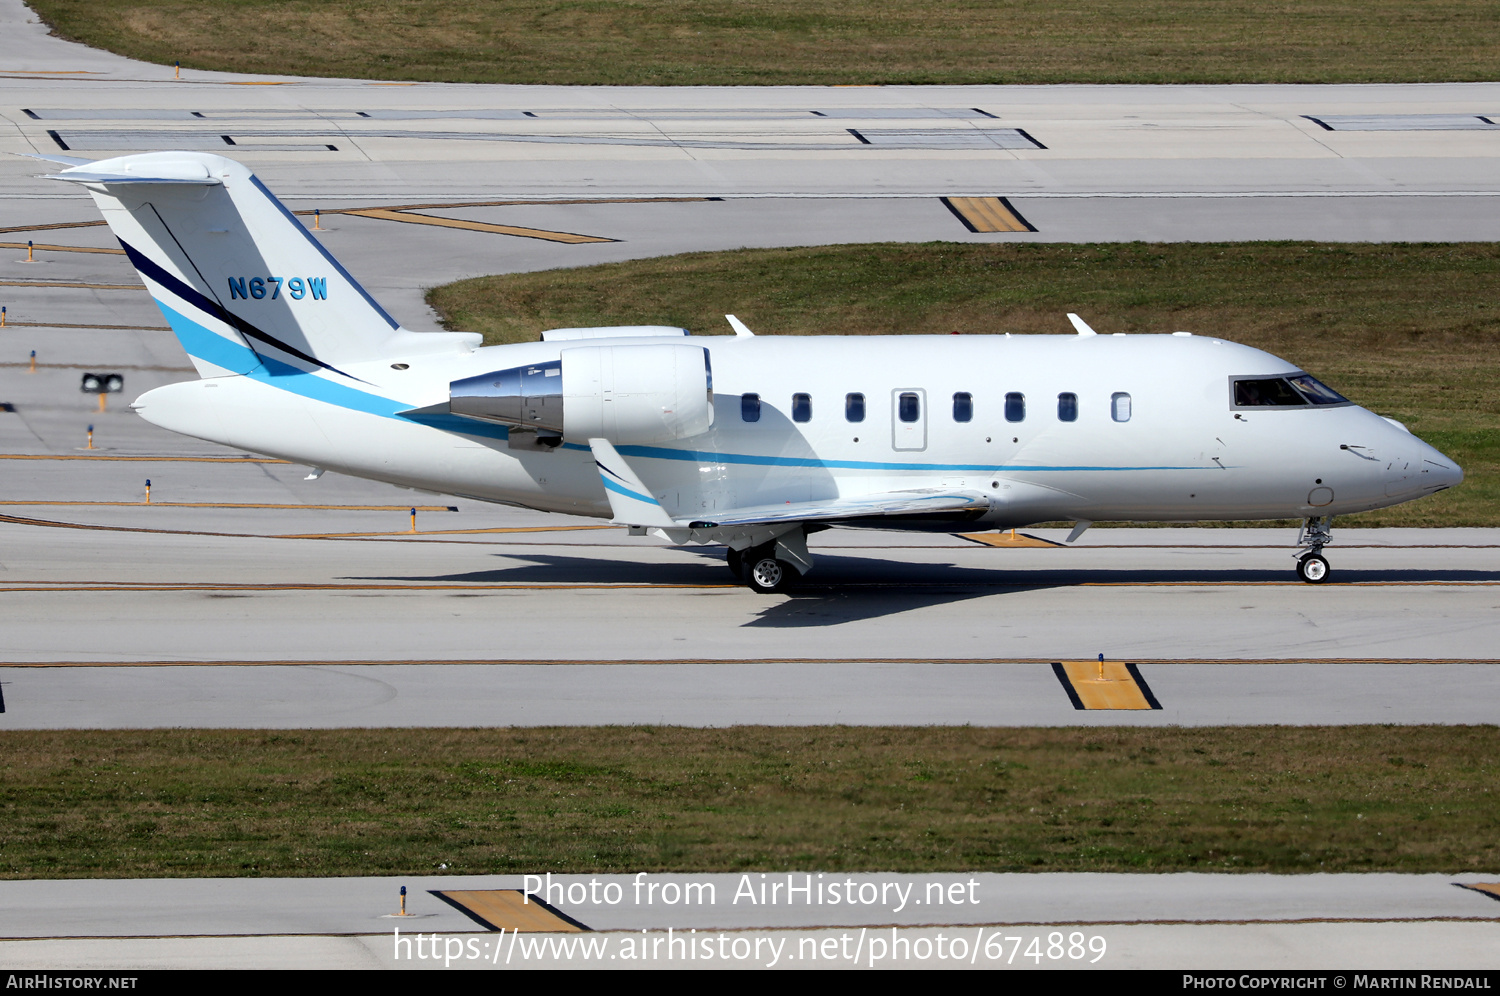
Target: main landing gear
761,570
1312,566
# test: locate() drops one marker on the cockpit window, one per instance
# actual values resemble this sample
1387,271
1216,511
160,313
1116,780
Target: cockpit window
1273,392
1296,391
1316,391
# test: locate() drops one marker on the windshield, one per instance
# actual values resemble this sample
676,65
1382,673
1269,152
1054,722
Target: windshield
1296,391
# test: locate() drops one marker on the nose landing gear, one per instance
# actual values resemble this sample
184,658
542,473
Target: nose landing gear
1312,566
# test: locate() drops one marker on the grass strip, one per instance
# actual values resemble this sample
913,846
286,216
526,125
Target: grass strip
739,42
616,799
1408,330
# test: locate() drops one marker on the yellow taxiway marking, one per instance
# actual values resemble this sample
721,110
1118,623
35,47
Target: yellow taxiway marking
45,247
140,459
504,909
496,586
444,532
534,662
51,225
1010,539
385,214
1111,685
244,504
59,283
987,214
64,325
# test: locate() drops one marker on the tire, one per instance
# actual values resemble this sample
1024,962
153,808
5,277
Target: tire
736,564
767,575
1312,568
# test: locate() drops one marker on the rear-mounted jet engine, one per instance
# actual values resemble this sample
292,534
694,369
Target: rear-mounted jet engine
627,394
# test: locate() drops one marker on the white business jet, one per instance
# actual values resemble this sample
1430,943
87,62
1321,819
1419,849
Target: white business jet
747,441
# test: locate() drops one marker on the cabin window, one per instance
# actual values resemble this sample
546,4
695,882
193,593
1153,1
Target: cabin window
854,407
963,407
801,407
1015,407
1067,407
750,407
1119,406
908,407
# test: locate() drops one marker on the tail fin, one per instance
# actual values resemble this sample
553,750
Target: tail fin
243,284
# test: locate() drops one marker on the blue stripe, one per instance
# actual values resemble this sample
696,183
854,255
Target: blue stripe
626,491
701,456
191,296
206,345
216,349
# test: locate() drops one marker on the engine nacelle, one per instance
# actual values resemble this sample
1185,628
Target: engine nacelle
623,393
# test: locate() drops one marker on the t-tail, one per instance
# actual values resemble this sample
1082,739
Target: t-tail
243,284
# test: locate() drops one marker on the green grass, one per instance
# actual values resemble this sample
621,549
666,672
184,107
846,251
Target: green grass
1411,331
615,799
738,42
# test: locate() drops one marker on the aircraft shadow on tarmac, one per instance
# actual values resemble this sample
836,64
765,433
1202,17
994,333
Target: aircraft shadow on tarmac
850,589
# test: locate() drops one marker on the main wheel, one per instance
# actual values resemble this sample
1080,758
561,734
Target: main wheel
1312,568
766,574
736,564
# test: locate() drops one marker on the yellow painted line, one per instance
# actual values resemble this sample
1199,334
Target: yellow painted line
310,586
140,459
259,82
1113,685
987,214
111,328
43,247
244,504
59,283
551,661
385,214
1010,539
55,224
443,532
505,909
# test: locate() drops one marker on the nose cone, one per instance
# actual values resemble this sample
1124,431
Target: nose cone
1428,468
1440,471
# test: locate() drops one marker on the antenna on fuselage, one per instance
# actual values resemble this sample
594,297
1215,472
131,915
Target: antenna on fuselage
740,329
1081,325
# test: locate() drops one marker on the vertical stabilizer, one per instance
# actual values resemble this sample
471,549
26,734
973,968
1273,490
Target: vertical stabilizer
241,281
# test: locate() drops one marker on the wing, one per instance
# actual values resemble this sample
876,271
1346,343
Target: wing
915,501
632,502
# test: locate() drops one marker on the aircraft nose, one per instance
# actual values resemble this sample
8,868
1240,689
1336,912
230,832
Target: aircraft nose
1437,470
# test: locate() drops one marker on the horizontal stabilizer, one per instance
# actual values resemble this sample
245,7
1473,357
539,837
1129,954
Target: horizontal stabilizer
63,160
155,169
924,501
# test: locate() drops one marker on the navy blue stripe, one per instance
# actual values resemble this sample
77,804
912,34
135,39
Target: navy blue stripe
189,294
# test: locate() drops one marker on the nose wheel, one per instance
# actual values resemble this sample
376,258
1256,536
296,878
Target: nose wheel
1312,566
